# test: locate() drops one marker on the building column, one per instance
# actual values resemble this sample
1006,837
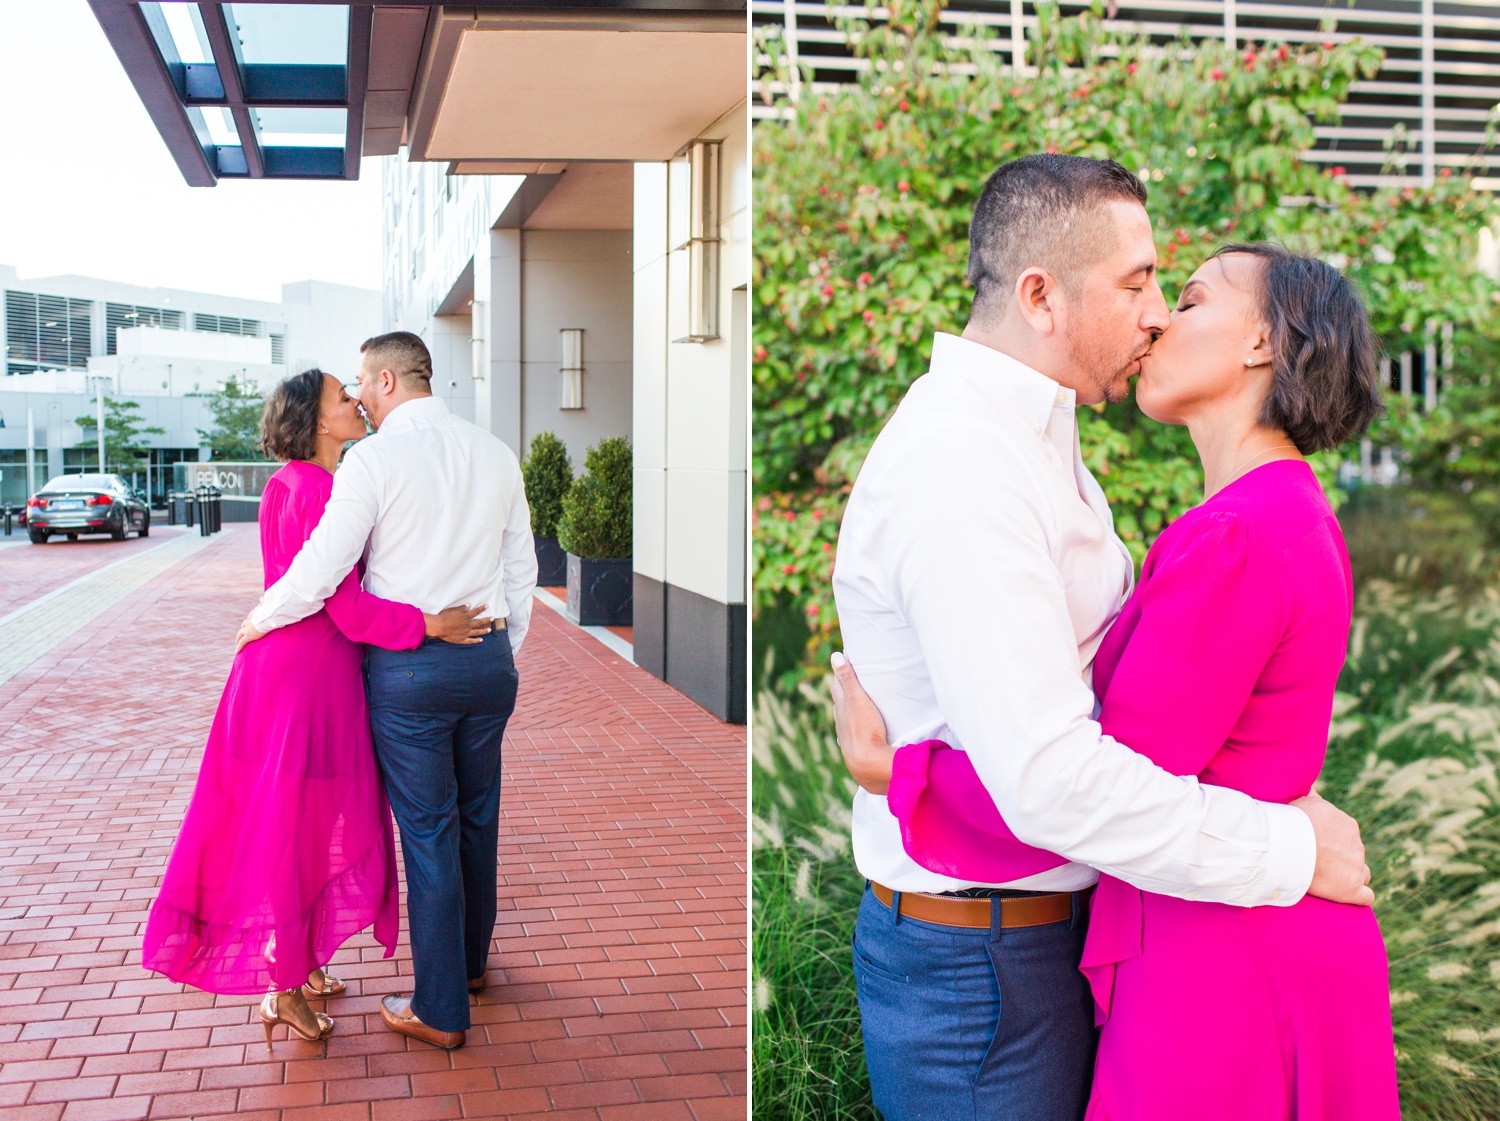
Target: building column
689,420
496,326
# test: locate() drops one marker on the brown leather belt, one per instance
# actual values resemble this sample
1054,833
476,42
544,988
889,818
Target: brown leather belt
948,910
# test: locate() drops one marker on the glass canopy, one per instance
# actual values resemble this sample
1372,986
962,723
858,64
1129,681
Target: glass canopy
260,91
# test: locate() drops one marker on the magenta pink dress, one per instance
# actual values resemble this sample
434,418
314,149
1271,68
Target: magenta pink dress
1222,665
286,849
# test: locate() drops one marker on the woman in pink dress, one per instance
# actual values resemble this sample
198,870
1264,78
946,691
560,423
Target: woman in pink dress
1222,665
286,849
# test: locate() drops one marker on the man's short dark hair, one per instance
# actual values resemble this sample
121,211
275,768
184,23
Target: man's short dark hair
1325,367
1044,211
403,354
289,421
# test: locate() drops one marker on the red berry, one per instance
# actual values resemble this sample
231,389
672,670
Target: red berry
760,354
865,278
1131,69
869,317
904,107
1328,46
1217,74
828,289
879,124
903,186
1336,171
789,569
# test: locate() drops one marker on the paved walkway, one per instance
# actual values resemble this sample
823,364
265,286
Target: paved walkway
618,987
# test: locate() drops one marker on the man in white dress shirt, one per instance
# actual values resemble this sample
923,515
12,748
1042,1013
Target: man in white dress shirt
441,507
978,569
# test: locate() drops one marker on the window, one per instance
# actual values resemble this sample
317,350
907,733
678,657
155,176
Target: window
46,332
226,325
118,317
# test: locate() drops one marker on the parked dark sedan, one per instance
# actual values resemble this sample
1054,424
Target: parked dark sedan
82,504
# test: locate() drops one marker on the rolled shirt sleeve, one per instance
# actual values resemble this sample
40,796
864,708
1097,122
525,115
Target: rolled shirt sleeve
1005,668
518,561
331,552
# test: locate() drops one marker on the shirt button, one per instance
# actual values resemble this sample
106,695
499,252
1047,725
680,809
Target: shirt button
1037,430
1191,896
1062,396
1276,895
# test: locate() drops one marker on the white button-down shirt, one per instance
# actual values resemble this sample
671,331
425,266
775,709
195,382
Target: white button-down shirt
442,506
977,572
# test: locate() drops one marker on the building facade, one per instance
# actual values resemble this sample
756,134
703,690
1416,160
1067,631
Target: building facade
70,338
1440,80
566,223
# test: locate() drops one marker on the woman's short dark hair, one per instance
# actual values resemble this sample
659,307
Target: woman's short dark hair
289,424
1325,385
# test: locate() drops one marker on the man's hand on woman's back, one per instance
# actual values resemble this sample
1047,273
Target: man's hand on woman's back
1341,874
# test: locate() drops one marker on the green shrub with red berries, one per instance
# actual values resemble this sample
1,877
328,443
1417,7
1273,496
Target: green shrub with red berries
862,203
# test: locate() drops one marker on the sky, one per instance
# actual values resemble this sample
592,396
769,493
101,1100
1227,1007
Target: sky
87,186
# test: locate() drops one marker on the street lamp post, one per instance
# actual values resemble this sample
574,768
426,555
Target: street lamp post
30,452
99,402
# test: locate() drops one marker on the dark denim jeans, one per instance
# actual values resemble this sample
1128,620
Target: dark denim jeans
438,714
974,1025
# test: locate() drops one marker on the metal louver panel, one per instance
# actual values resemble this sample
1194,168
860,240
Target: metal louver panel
118,317
1440,79
226,325
278,350
46,332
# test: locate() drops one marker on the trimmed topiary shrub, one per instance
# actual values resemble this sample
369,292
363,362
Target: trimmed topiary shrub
596,514
548,472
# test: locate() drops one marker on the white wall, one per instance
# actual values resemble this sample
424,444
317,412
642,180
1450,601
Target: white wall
326,324
690,398
576,278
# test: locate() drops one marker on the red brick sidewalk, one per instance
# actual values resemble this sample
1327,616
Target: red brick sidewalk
617,990
23,579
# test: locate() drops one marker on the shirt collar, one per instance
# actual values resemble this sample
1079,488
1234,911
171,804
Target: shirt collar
411,412
1001,378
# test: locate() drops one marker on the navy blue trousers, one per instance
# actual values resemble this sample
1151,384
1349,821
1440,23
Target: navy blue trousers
438,714
971,1024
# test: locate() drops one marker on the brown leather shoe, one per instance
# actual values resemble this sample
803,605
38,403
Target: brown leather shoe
477,984
398,1016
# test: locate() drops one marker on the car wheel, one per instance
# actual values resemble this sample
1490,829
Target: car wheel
146,526
38,536
119,533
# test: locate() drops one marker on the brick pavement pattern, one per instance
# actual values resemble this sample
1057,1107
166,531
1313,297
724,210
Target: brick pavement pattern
617,989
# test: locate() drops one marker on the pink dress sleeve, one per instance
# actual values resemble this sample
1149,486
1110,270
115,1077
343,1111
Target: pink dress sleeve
368,618
361,616
1212,610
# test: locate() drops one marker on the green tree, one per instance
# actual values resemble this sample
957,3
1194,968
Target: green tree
235,435
596,513
123,428
863,196
548,472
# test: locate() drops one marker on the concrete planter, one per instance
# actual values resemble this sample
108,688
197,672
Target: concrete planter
551,563
600,591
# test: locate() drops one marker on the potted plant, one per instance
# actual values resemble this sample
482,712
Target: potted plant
548,472
595,530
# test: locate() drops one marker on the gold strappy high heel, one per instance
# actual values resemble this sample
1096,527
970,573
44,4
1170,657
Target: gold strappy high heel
270,1017
332,986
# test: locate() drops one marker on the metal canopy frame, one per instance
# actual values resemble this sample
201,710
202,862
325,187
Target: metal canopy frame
175,93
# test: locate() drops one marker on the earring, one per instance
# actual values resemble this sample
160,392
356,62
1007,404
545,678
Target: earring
1249,361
